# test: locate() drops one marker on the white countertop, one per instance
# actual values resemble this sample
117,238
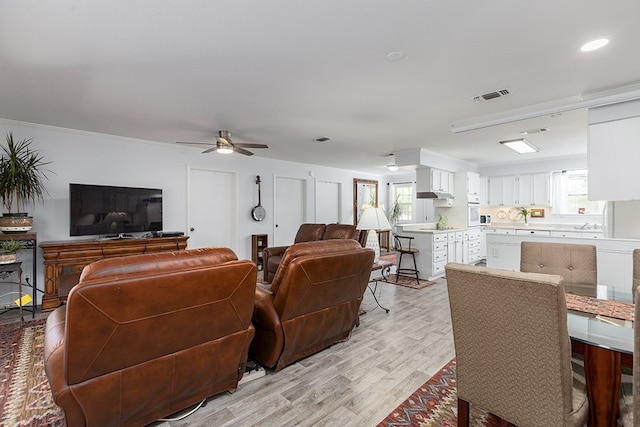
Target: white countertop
544,227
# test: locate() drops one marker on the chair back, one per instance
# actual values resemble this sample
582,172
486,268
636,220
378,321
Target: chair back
576,263
512,344
636,364
340,231
403,243
636,273
309,233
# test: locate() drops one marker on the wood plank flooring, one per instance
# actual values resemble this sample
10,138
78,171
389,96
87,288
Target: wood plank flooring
355,383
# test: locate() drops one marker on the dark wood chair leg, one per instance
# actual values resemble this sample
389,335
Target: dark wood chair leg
463,413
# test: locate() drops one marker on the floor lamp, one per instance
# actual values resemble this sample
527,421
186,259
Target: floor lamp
373,219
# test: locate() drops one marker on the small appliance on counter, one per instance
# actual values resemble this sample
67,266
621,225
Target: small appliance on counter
485,219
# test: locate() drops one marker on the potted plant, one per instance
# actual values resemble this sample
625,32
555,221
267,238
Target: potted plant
396,211
21,183
9,250
525,214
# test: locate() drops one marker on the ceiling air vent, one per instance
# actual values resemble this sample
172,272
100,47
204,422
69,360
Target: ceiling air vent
491,95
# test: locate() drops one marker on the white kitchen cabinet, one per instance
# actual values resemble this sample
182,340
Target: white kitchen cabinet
484,191
454,246
520,190
534,190
502,190
473,184
430,179
613,153
471,245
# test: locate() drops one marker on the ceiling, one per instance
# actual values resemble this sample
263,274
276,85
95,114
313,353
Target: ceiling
285,72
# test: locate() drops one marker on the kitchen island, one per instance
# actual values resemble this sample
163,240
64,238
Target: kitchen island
437,247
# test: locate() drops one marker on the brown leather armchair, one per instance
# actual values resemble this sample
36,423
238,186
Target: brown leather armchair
313,302
144,336
306,233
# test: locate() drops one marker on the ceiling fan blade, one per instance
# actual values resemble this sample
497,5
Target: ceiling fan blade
194,143
242,151
249,145
209,150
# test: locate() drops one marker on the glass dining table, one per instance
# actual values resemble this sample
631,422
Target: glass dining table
601,329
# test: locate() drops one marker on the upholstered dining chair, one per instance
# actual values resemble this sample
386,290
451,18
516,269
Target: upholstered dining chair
636,277
636,360
576,263
513,353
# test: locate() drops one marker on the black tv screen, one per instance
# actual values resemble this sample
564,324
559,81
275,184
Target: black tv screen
113,211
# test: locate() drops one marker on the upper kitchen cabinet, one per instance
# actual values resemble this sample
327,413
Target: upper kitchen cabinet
502,190
534,190
473,186
430,180
523,190
613,151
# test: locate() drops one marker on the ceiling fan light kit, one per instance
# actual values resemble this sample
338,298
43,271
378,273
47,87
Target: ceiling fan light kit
224,145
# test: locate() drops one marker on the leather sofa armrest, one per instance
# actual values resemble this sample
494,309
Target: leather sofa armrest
264,312
274,251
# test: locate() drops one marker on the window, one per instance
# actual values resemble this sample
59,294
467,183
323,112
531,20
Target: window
571,190
403,195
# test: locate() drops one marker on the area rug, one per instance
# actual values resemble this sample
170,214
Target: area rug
25,396
410,282
435,404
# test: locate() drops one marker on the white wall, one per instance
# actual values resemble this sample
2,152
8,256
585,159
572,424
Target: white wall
90,158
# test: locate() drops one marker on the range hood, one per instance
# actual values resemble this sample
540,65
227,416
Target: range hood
433,195
433,184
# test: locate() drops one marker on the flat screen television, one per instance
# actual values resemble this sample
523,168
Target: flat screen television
113,211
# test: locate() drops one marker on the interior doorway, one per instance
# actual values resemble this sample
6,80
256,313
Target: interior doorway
212,222
290,201
328,206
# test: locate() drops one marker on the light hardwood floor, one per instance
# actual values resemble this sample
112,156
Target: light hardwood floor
354,383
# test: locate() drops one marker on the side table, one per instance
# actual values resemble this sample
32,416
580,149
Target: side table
5,271
384,267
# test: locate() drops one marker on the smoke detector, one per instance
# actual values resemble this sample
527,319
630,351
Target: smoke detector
491,95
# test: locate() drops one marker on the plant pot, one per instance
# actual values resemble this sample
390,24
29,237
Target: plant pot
15,223
7,259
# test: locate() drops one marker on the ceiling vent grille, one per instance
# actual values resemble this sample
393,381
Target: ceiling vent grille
491,95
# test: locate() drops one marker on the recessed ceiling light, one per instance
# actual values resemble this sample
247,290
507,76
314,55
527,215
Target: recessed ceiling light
394,56
520,145
594,44
530,131
322,139
392,168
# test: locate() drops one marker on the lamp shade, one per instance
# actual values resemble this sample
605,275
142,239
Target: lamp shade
373,219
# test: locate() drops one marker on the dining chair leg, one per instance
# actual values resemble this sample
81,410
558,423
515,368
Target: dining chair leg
463,413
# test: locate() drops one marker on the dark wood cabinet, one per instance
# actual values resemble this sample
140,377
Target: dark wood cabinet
64,261
258,244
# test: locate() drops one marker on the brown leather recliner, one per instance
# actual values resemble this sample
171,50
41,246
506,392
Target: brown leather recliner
313,302
144,336
306,233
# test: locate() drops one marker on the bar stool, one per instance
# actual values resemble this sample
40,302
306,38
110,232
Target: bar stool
405,249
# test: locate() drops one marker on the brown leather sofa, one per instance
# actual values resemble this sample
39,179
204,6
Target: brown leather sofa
313,301
306,233
144,336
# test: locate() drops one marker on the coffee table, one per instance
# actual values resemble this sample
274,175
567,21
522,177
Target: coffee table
605,337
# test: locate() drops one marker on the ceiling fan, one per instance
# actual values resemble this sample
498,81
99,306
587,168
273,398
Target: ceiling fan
224,145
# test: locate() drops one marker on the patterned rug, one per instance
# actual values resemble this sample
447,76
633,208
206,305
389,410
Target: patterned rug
25,396
435,404
406,281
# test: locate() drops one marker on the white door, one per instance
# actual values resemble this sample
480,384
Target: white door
290,201
328,196
213,208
